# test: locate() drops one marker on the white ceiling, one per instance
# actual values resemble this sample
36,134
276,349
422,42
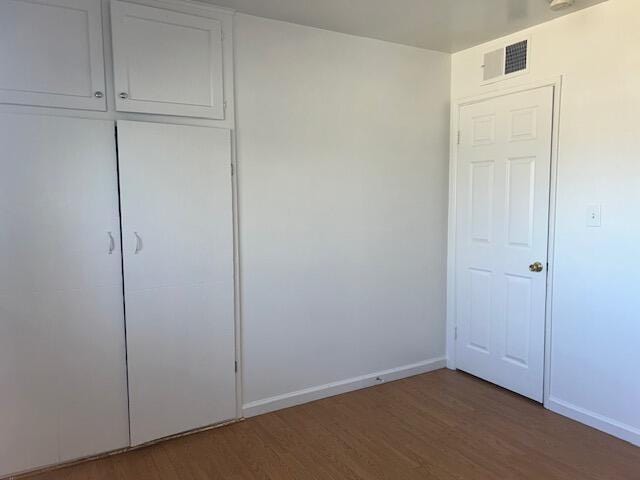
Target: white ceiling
445,25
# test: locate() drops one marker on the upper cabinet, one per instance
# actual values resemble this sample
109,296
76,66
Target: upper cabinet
170,57
51,53
167,62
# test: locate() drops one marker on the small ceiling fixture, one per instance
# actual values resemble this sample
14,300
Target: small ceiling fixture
560,4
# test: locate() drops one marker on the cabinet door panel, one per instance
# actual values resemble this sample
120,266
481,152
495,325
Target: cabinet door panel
28,416
181,340
93,403
59,192
51,53
167,62
175,185
62,350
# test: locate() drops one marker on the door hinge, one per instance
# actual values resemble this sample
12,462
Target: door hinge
235,367
459,137
233,170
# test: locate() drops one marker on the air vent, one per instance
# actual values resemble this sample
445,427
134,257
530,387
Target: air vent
506,62
516,57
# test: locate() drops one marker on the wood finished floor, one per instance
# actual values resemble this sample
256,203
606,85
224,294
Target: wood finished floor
442,425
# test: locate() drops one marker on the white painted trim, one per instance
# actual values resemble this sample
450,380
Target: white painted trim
553,191
336,388
237,259
451,237
595,420
194,7
555,82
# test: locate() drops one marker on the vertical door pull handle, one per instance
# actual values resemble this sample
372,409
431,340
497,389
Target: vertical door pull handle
138,243
112,243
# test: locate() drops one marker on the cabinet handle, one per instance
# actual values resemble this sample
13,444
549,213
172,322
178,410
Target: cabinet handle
123,95
138,243
98,94
112,243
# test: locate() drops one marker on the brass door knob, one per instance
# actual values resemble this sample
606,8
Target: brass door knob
536,267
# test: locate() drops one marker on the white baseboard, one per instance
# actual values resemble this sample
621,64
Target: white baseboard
595,420
336,388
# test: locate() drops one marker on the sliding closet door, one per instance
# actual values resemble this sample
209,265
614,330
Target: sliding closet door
175,186
62,349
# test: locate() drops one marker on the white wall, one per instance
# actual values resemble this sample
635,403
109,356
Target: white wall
595,355
342,153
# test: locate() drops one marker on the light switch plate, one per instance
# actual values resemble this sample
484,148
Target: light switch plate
594,216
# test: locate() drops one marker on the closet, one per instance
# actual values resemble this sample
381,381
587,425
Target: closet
117,317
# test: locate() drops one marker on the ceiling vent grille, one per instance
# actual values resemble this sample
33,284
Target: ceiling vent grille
506,62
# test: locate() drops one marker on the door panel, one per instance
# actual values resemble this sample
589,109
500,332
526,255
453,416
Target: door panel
62,351
518,319
480,314
28,403
51,53
502,223
167,62
520,201
481,201
93,403
191,383
178,255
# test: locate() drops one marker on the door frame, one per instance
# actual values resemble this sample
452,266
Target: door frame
556,84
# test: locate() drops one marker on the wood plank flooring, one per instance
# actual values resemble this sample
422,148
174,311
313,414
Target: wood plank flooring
442,425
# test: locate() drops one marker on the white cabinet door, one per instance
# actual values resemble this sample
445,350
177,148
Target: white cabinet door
167,62
175,185
63,391
502,190
51,53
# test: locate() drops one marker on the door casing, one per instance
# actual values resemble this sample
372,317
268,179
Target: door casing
556,83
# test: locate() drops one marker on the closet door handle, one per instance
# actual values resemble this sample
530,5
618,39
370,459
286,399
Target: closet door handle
112,243
138,243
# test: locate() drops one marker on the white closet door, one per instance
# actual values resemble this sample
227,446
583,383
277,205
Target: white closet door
51,53
175,184
166,62
62,350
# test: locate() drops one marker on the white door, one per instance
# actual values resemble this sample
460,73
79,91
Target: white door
51,53
175,184
504,160
166,62
63,390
